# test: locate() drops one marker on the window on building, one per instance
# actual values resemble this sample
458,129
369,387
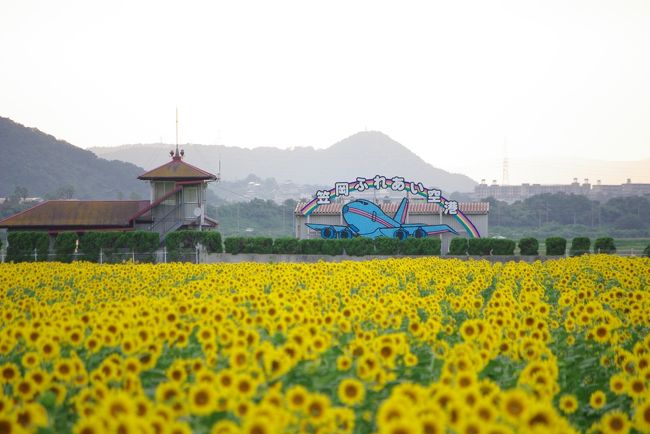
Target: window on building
190,194
163,188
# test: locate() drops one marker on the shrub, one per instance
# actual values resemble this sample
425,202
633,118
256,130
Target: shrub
259,245
311,246
138,241
21,246
212,241
479,246
286,246
646,251
604,245
555,246
431,246
503,247
387,246
332,247
234,245
359,246
187,239
458,246
529,246
420,246
90,244
64,246
580,246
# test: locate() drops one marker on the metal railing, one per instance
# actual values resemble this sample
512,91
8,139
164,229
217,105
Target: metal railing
171,220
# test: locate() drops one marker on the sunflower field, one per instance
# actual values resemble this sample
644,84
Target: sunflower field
395,346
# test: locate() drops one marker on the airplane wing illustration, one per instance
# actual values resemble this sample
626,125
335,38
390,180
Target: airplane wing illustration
417,231
332,231
436,229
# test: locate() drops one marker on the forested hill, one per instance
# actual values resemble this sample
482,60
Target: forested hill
45,167
367,153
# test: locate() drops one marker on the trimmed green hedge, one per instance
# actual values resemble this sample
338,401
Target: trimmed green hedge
502,247
555,246
529,247
312,246
604,245
580,246
286,246
236,245
387,246
332,247
143,243
479,246
186,239
458,246
357,246
64,246
21,246
420,246
90,243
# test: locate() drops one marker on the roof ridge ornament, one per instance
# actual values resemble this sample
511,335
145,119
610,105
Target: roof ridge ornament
177,156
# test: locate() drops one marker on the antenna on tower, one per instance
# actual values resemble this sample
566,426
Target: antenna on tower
176,130
505,178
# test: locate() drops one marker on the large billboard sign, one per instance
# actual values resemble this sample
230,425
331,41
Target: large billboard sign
365,218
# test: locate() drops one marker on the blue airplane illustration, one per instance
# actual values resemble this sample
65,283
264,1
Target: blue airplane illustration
365,218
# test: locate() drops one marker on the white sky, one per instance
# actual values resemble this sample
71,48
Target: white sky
448,79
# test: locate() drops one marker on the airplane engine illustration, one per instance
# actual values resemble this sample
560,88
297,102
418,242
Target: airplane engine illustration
328,232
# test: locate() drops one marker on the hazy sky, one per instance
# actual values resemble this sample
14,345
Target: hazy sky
448,79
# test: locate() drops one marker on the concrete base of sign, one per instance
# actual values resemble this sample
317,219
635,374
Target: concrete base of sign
214,258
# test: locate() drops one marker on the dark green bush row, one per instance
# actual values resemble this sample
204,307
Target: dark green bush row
318,246
555,246
178,240
21,246
604,245
481,246
64,246
141,242
580,246
646,251
529,247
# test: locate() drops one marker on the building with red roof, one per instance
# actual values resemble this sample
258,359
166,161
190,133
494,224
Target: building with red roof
177,201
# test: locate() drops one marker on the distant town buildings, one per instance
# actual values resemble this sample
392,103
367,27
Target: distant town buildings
598,191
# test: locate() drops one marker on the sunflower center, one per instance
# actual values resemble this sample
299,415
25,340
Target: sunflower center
201,398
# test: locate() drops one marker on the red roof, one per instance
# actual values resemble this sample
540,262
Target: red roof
416,207
77,214
177,170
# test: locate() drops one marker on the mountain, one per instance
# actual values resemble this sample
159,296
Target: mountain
42,164
364,154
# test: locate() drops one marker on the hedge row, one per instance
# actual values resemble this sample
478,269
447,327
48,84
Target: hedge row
481,246
178,240
141,242
22,245
319,246
555,246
